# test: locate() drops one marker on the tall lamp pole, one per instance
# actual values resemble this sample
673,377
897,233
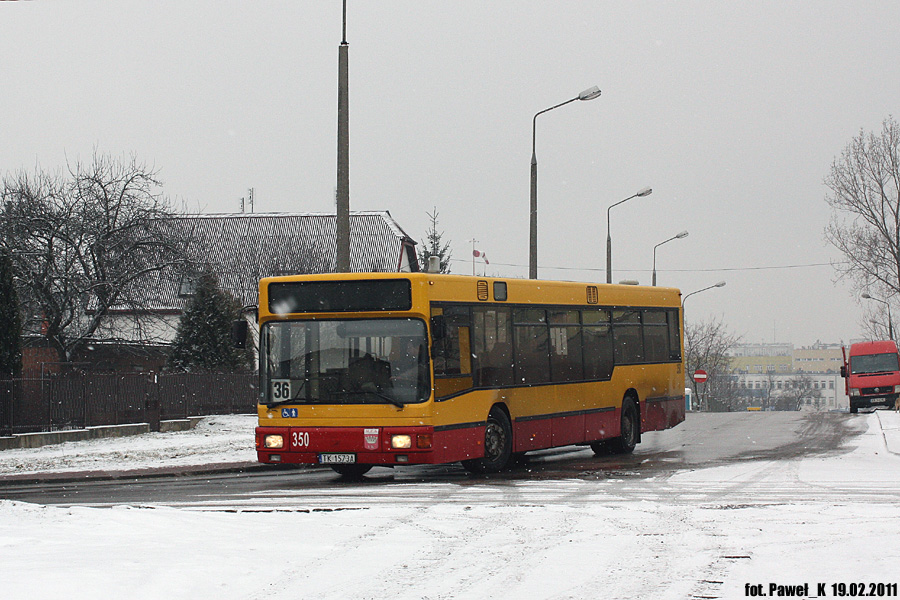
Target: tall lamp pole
644,192
588,94
715,285
683,234
890,321
342,225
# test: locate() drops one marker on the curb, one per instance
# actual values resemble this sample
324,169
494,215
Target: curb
36,440
146,473
884,436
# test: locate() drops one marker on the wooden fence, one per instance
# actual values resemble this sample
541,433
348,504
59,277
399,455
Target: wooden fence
78,400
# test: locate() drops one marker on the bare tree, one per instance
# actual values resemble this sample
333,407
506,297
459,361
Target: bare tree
876,322
84,244
706,344
798,390
864,185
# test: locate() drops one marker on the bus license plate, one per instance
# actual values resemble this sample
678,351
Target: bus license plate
336,459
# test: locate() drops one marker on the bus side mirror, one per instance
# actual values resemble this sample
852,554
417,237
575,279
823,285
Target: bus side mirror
239,330
843,371
438,333
438,328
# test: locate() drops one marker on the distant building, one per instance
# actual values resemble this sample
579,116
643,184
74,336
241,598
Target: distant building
761,358
763,390
765,372
818,358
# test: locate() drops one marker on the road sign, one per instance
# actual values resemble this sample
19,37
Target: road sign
700,375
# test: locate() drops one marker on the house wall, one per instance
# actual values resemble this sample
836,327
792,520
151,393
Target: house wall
38,361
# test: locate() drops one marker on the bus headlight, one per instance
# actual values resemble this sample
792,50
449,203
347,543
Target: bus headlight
401,441
854,391
274,441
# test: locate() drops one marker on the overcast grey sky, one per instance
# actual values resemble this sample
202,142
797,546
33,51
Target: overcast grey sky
731,111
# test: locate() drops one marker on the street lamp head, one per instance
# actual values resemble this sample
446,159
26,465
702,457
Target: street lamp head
867,296
720,284
644,192
590,93
681,235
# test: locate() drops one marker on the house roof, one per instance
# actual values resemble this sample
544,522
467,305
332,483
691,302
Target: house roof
244,247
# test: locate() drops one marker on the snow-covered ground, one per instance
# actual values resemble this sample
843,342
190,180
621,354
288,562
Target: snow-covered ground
215,440
704,533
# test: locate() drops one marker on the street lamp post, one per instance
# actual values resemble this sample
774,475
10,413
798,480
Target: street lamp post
683,234
588,94
644,192
342,200
709,287
716,285
890,321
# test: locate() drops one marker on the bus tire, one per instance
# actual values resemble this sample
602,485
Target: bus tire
631,423
351,471
497,445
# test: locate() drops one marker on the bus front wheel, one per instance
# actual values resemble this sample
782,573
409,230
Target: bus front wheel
497,445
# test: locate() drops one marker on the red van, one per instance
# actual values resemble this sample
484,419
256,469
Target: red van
871,374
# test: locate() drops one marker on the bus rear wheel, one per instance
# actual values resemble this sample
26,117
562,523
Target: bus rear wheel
351,471
497,445
627,440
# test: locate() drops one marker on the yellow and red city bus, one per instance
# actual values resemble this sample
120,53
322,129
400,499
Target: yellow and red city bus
390,369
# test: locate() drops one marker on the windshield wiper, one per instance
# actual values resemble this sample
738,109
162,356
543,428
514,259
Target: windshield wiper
378,394
271,405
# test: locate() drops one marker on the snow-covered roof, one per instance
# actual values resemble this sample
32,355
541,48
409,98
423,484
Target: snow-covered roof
241,248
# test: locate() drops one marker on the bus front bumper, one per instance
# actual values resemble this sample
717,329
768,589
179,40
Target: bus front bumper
346,445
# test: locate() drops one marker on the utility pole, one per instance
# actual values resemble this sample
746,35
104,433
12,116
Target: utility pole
342,226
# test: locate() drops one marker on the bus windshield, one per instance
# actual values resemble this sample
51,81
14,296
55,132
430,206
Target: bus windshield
352,361
874,363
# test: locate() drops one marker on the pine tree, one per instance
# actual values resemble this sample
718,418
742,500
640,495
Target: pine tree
203,340
433,246
10,322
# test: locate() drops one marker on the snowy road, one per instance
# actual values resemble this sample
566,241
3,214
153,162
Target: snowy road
762,442
786,515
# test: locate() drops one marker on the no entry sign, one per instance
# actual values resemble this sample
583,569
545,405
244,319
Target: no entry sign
700,376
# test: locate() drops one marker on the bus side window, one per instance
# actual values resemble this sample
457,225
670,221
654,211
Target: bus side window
656,335
492,346
674,335
566,361
450,332
531,338
598,345
627,336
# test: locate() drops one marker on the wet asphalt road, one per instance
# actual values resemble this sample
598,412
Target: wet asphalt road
703,440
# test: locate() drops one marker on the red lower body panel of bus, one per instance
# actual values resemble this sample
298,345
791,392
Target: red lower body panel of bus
368,445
